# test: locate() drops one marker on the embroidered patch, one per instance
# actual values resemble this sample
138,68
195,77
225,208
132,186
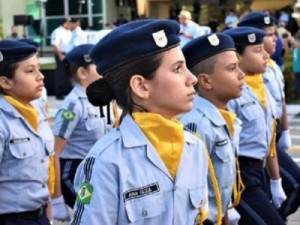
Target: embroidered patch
247,104
140,192
68,115
19,140
221,143
85,192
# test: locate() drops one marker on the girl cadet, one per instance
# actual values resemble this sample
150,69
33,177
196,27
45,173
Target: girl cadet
274,81
26,140
257,109
218,82
77,127
148,170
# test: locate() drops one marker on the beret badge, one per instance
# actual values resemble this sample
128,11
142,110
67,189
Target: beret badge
251,38
213,40
87,58
1,57
267,20
160,38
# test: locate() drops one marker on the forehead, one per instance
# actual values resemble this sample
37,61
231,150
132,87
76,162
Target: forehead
230,56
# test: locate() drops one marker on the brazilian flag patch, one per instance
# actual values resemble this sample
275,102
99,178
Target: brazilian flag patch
68,115
85,193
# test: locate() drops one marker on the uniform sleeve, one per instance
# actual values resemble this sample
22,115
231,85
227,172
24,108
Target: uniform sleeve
66,120
97,200
55,38
2,144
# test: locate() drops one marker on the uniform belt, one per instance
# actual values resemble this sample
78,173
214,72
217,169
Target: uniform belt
251,162
26,215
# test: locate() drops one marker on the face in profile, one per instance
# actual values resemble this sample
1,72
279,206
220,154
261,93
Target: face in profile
28,82
171,91
270,40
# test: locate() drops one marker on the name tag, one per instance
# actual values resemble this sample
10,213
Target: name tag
247,104
141,192
19,140
221,143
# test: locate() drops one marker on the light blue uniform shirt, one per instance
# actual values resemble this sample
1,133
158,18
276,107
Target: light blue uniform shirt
257,123
274,81
78,121
206,120
131,184
24,160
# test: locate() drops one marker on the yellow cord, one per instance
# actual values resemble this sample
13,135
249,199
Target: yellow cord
216,191
238,186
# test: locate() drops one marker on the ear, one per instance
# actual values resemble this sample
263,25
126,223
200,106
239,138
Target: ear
5,83
82,73
204,81
139,87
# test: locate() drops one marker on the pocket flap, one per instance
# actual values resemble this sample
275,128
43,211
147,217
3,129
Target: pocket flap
196,196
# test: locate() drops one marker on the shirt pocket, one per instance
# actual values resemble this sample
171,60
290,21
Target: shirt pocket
92,123
250,111
145,208
22,150
222,153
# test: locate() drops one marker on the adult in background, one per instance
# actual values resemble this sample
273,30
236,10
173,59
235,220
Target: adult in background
61,43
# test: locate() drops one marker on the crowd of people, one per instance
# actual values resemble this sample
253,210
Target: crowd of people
156,128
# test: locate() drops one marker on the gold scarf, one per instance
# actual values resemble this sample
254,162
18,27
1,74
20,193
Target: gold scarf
256,83
165,135
270,63
29,113
229,118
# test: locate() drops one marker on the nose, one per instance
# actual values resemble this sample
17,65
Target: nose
241,74
191,78
40,75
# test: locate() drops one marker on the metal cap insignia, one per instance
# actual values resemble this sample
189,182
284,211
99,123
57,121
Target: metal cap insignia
160,38
252,38
213,40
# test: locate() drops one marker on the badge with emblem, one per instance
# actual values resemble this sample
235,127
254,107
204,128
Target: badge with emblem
267,20
251,38
85,193
68,115
1,57
213,40
87,58
160,38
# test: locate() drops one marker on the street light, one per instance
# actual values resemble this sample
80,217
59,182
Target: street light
80,3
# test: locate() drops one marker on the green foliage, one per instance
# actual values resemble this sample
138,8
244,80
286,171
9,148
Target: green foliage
290,95
1,29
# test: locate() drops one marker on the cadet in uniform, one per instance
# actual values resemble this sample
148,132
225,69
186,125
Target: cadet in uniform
77,127
218,82
26,140
148,170
274,81
256,109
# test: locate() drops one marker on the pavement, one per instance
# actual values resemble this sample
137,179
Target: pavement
294,151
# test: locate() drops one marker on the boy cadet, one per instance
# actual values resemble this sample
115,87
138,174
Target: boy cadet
256,108
218,82
274,81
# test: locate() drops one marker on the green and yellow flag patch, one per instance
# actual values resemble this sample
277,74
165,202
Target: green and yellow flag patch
68,115
85,193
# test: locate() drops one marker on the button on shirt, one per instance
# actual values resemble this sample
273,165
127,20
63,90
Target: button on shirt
131,184
61,37
206,120
78,121
257,124
24,158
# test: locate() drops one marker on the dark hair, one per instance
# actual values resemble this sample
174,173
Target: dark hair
8,69
240,49
115,83
71,68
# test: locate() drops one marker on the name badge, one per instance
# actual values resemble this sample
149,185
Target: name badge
221,143
247,104
19,140
141,192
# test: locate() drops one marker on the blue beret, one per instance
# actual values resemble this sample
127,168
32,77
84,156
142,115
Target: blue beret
134,40
15,50
243,36
29,41
257,19
80,55
206,46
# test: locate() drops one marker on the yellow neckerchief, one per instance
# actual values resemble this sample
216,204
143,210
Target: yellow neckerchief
256,83
270,63
165,135
229,118
272,151
238,185
28,112
116,114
